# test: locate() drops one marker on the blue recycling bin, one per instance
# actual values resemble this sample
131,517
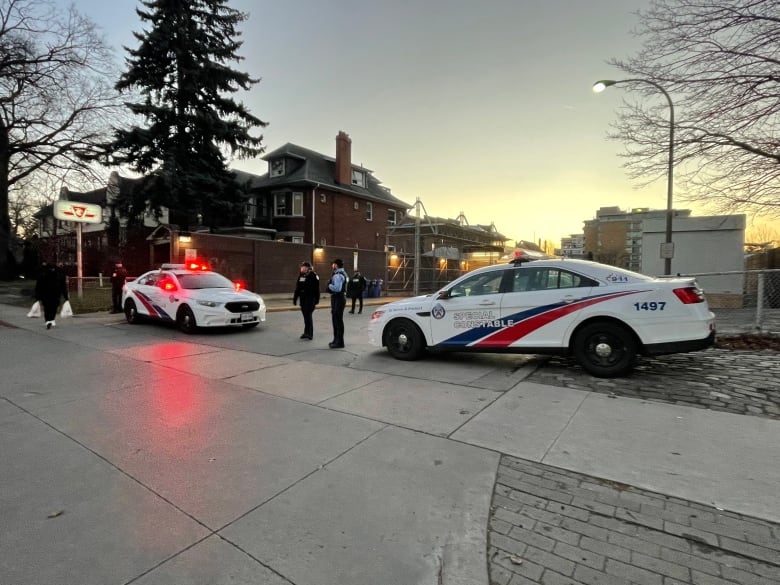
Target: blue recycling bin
372,289
379,287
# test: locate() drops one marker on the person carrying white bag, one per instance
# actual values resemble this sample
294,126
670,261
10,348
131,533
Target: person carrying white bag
50,286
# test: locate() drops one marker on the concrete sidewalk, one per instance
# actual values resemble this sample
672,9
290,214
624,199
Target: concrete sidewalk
139,455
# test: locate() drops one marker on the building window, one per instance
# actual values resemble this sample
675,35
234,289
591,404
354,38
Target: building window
358,178
369,211
297,239
277,168
391,217
288,204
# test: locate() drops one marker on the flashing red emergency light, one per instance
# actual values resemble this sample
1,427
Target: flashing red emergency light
168,285
197,264
239,285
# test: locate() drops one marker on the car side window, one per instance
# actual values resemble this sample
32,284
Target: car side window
530,279
147,280
487,283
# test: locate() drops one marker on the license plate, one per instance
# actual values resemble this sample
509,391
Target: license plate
247,317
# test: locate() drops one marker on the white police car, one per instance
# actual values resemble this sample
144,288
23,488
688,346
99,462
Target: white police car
191,296
602,315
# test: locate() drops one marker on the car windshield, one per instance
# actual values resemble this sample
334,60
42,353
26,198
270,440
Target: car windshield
203,280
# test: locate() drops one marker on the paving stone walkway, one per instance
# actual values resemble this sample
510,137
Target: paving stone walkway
555,527
741,382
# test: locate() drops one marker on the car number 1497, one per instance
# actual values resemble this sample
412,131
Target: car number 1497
651,306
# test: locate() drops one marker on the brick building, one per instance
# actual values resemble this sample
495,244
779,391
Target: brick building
308,197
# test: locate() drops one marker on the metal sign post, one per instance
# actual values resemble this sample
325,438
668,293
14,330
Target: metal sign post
79,270
80,213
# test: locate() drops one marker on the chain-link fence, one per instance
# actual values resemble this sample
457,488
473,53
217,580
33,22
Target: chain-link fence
744,301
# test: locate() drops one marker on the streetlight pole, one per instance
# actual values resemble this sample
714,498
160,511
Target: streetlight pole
667,250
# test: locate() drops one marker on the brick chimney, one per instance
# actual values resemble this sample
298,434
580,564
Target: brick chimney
343,159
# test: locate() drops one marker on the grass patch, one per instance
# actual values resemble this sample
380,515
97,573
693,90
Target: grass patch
93,298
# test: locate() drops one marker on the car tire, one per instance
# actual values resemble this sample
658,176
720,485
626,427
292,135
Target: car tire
186,320
404,340
131,312
605,350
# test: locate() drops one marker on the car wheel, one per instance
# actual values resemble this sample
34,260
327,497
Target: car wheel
186,320
605,350
131,312
404,340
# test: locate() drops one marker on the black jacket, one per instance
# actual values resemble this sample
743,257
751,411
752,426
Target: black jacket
356,286
50,285
118,278
307,288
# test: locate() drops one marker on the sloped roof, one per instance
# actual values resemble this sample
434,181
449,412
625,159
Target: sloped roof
308,167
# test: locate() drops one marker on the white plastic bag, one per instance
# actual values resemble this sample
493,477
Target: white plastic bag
35,311
66,310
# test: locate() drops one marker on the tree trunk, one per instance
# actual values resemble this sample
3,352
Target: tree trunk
5,220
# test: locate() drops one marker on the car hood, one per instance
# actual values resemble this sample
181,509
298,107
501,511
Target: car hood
412,303
224,295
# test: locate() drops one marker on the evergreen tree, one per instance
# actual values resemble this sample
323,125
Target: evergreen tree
181,72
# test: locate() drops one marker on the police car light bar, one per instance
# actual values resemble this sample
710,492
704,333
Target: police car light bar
190,265
521,255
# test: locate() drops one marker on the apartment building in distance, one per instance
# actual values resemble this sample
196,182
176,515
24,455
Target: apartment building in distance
572,246
711,247
615,236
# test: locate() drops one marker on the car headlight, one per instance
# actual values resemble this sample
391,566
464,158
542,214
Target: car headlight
209,303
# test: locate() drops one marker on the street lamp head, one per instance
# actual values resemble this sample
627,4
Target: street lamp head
603,84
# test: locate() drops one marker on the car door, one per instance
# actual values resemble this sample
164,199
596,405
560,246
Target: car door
540,306
167,291
468,311
143,293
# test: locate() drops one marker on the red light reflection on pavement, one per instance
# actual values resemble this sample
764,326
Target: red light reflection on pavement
175,405
166,351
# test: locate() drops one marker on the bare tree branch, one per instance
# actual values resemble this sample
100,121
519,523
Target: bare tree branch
720,62
57,100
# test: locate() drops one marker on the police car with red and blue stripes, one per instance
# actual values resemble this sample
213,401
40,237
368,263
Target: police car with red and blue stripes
191,296
602,315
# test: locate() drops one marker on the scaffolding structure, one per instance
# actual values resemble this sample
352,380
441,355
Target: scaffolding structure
424,253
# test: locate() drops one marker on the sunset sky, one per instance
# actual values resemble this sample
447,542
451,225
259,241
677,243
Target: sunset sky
483,107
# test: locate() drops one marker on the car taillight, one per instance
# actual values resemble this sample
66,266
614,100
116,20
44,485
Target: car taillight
689,295
377,314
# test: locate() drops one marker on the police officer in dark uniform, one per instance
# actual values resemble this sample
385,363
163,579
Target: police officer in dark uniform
118,279
355,288
307,289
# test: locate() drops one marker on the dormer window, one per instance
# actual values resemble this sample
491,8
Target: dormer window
277,168
358,178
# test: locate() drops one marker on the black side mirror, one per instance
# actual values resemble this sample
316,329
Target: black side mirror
445,294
